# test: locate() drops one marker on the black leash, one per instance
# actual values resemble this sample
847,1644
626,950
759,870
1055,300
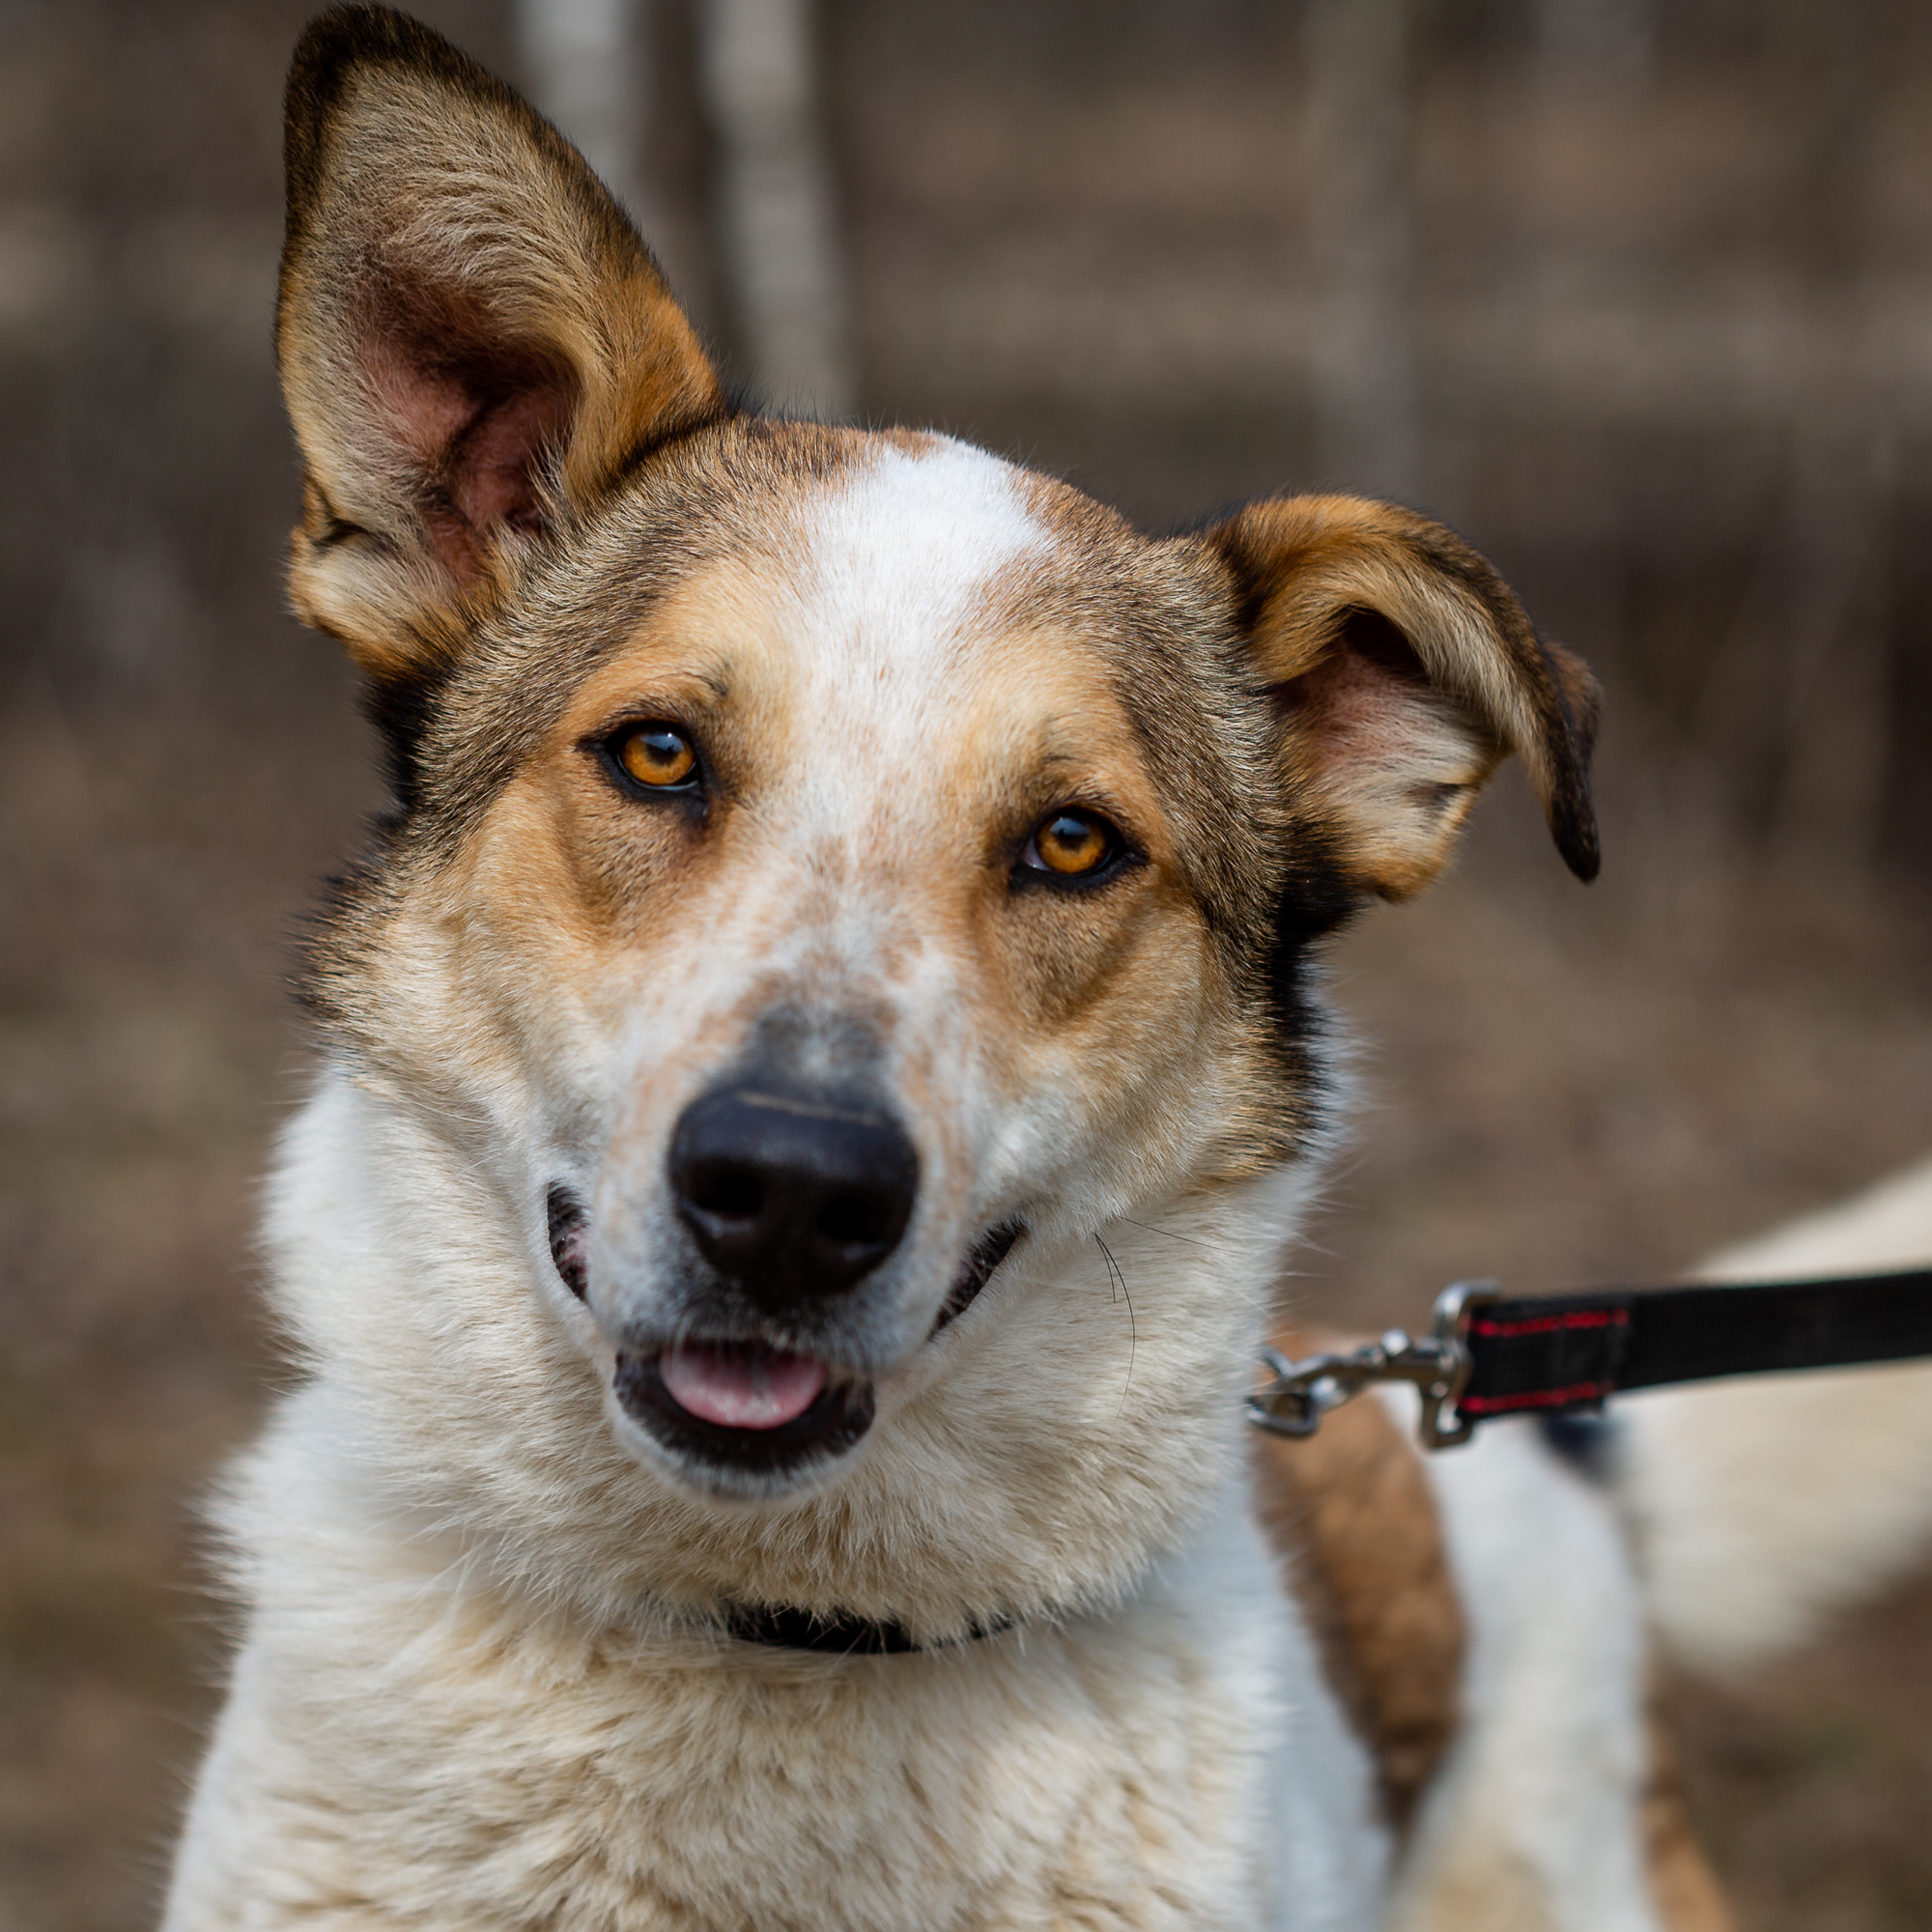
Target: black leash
1557,1356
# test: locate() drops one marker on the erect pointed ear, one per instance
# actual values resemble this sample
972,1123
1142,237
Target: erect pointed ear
1403,670
474,341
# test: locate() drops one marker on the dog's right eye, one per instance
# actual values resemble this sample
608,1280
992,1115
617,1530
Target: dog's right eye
1074,847
656,755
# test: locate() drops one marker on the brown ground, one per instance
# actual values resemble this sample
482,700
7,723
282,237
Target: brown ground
1095,264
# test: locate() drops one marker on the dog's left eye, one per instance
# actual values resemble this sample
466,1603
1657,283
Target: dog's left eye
654,754
1071,845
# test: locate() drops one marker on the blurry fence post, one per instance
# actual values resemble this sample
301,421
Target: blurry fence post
584,61
1833,738
779,246
1795,695
1801,690
1357,55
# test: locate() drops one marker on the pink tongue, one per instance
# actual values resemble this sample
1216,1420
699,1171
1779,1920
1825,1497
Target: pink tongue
742,1388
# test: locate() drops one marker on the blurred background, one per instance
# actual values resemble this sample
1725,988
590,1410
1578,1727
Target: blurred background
1636,294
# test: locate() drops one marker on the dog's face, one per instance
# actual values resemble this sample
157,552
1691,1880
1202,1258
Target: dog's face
885,935
829,868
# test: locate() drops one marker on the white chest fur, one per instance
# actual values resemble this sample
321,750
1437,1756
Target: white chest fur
406,1745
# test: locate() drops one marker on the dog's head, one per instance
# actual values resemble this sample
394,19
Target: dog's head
830,868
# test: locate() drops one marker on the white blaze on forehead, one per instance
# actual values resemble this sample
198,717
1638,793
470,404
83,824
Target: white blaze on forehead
901,553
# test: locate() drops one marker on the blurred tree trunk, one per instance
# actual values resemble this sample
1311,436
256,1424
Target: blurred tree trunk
585,63
1595,43
1795,703
775,202
1798,699
1836,736
1359,56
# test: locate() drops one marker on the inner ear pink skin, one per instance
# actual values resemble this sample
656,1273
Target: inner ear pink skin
1367,694
475,417
492,471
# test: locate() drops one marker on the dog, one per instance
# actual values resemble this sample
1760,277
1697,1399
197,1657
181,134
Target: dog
819,1068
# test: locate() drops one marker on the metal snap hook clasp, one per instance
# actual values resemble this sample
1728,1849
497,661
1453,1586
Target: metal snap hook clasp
1437,1365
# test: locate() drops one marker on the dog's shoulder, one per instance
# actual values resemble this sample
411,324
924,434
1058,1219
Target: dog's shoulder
1411,1601
1350,1511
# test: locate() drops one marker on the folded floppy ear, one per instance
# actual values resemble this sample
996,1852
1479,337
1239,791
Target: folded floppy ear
1403,670
474,341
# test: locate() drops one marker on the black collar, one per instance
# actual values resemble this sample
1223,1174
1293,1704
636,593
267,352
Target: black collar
785,1626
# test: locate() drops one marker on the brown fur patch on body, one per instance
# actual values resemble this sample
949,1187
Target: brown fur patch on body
1686,1889
1352,1511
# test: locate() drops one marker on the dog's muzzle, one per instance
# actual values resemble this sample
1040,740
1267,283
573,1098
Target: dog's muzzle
793,1197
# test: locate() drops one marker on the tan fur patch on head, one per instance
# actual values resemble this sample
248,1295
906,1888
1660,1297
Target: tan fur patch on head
864,812
1351,1509
1076,675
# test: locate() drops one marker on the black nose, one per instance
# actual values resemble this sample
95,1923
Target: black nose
793,1195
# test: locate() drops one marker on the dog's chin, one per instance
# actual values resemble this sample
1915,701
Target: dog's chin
724,1457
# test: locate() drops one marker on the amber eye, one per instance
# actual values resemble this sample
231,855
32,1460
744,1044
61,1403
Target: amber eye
657,755
1071,843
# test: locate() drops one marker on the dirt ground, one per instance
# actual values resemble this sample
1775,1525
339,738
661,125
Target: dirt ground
1557,1085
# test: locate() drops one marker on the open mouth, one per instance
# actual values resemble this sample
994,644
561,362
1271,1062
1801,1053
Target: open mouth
744,1405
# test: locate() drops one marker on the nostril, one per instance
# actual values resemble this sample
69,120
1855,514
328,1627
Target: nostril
852,1220
731,1192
